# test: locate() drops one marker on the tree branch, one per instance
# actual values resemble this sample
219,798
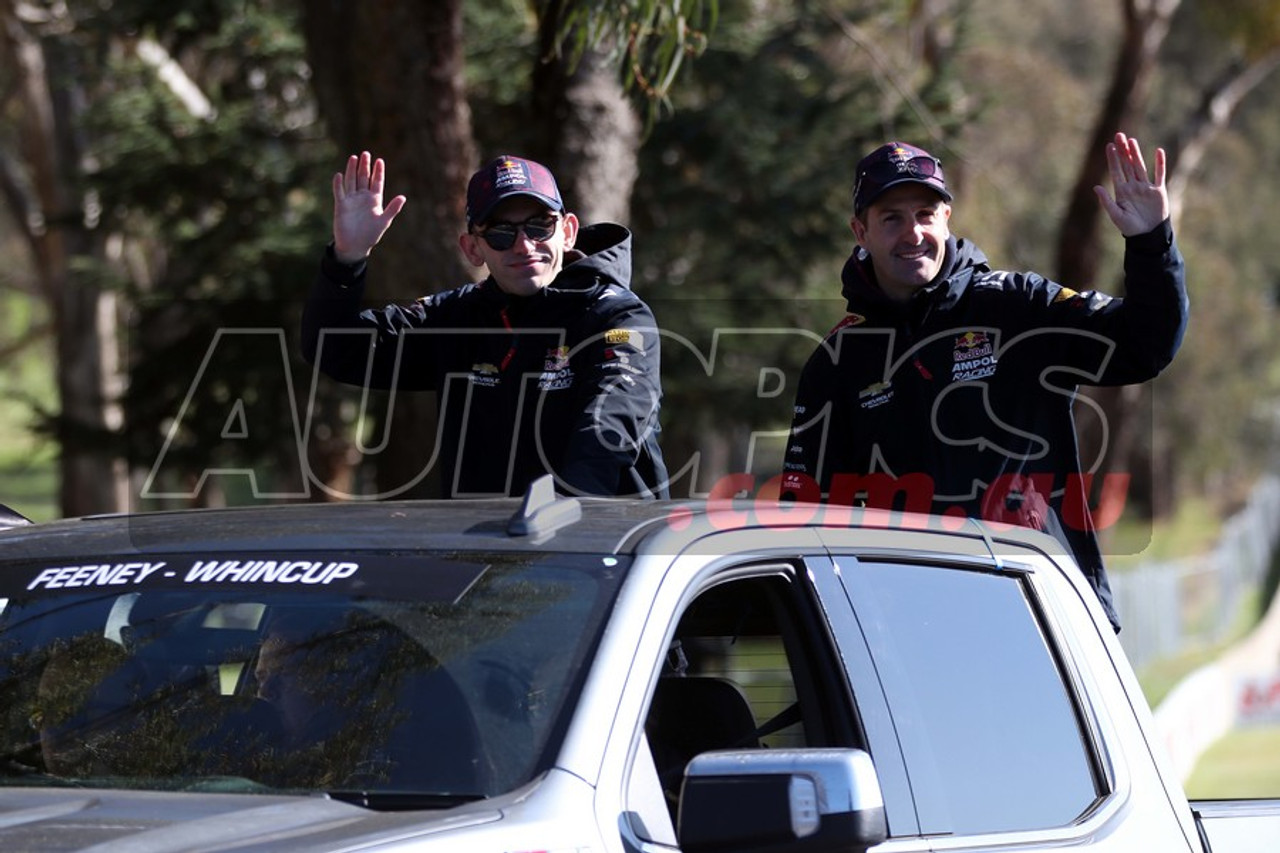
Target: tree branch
172,75
851,31
1218,104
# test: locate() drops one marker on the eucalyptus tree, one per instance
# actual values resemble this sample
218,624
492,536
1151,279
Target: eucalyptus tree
548,78
744,207
45,64
1241,41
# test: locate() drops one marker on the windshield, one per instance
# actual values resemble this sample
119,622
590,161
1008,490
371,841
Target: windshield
443,675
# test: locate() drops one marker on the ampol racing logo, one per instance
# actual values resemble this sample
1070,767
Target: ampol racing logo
973,358
556,373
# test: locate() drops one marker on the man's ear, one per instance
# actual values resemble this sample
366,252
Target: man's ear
859,228
570,226
470,245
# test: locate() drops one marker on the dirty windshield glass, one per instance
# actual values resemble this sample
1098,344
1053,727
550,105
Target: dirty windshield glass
442,675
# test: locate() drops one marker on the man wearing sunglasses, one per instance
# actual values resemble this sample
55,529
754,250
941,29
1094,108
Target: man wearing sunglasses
550,364
949,386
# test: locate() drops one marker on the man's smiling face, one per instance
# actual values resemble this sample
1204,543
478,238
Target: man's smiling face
528,265
905,232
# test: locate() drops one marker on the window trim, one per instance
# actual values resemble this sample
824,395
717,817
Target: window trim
1112,777
879,731
1049,621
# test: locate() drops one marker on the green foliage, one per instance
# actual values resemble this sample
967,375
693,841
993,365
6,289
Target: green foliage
28,460
1254,24
501,42
1230,361
223,210
649,39
1241,765
501,39
744,202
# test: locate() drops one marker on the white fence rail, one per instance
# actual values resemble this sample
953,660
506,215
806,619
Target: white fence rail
1171,607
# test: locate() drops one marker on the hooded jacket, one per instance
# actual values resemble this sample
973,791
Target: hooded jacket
565,381
960,401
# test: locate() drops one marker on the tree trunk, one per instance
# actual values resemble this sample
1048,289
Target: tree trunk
1217,106
388,77
1146,23
53,215
1145,27
589,132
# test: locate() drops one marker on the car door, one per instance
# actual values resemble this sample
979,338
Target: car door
750,662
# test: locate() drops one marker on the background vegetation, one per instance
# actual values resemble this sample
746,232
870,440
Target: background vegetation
165,178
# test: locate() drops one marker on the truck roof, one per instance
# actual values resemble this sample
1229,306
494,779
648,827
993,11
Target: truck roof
541,521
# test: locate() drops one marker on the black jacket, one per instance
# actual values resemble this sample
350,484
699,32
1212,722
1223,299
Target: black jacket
565,381
965,393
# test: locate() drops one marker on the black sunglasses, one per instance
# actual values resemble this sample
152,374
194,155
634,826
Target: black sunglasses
887,170
502,235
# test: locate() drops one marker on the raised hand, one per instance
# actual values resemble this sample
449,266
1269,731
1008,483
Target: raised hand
1140,204
359,218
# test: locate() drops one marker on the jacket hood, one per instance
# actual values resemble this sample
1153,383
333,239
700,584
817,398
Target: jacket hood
862,292
601,257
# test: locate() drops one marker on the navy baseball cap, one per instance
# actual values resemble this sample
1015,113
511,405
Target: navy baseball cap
505,177
892,164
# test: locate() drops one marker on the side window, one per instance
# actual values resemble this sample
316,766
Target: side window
746,669
988,729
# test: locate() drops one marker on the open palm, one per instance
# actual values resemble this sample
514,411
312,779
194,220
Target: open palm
1140,203
359,217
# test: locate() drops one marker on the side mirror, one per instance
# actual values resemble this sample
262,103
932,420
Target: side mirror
767,800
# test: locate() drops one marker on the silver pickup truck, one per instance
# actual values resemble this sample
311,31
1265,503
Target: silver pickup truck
572,675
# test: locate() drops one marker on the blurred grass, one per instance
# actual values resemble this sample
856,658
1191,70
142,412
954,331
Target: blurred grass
28,470
1245,764
1194,528
1159,677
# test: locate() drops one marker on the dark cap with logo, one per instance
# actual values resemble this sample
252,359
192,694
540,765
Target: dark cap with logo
892,164
505,177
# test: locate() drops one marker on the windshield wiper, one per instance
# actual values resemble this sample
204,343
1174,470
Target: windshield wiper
224,785
402,801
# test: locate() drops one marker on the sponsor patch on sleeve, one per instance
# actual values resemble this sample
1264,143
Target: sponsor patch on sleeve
619,337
